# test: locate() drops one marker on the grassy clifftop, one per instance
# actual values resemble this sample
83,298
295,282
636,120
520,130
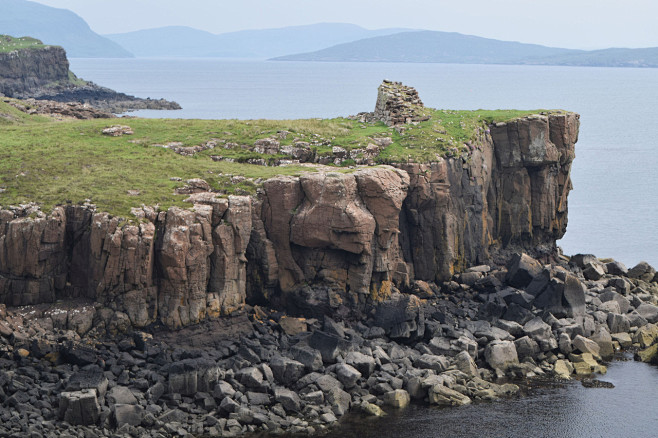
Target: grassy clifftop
9,43
54,162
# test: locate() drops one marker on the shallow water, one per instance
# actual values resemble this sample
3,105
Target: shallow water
614,206
566,410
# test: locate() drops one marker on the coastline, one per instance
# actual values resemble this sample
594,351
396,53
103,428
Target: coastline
264,371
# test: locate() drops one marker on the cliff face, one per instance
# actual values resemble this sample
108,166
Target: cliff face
25,71
318,243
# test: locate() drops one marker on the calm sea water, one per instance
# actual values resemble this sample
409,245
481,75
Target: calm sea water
555,411
613,210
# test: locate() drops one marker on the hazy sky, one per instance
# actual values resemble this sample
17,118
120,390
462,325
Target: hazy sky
583,24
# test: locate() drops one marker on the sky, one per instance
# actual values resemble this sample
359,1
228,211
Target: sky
579,24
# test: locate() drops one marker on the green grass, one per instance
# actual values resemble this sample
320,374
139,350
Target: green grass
53,163
9,43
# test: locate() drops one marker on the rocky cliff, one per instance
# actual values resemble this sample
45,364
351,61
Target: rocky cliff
323,242
42,72
27,70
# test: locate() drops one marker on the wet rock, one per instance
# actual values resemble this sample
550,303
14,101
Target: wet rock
339,400
602,337
397,399
563,369
595,383
646,336
444,396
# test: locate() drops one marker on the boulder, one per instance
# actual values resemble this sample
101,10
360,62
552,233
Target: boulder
501,354
401,316
128,414
286,371
563,369
288,399
603,339
646,336
624,339
648,355
521,270
562,298
398,398
610,295
432,362
363,363
465,363
79,407
585,345
642,271
618,323
444,396
648,312
310,357
347,374
339,400
121,395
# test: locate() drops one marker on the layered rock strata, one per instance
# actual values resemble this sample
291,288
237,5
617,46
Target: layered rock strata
319,243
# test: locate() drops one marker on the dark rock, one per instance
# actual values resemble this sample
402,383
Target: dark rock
79,407
642,271
595,383
288,399
521,270
347,374
401,316
286,371
88,379
128,414
330,346
363,363
310,357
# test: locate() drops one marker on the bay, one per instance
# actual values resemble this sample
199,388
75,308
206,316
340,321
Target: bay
613,208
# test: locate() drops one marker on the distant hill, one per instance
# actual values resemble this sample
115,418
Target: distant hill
58,27
430,46
445,47
179,41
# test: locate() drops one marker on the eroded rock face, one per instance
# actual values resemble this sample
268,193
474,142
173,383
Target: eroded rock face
324,242
194,268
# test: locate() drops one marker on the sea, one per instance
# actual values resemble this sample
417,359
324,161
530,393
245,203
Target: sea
613,209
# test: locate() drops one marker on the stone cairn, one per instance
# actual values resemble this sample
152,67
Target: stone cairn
398,104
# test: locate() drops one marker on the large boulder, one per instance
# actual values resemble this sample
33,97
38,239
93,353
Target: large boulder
521,270
79,407
500,355
563,297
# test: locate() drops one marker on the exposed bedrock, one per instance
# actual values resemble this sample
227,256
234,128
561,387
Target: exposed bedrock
324,242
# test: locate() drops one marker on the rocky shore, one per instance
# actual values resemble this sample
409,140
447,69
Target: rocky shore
73,370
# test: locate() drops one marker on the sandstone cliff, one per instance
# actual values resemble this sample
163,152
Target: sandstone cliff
318,243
